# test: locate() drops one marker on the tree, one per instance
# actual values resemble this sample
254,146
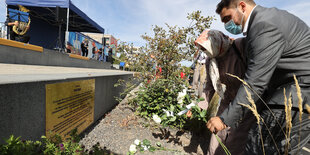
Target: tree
172,45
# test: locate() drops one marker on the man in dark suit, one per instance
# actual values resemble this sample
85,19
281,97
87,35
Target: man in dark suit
277,48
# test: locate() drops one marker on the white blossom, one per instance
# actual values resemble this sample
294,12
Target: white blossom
190,105
133,148
137,142
181,96
145,147
187,108
168,113
156,118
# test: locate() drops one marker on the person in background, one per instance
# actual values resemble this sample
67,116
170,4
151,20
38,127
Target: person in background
200,73
94,53
110,55
84,47
106,53
13,36
69,47
100,53
18,29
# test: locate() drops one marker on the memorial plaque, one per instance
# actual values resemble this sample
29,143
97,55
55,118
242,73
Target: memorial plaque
69,105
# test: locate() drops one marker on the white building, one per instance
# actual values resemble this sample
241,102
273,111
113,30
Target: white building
96,36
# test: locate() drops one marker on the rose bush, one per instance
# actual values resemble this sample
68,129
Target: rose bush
163,91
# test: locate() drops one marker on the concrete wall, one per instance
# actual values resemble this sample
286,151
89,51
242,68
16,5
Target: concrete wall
13,55
22,111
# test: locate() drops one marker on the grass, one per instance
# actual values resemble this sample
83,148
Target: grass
246,84
288,119
253,108
288,116
299,107
223,146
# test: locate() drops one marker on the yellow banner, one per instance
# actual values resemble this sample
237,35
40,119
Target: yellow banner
69,105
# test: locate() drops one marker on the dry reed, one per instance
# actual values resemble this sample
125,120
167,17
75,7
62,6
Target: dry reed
253,108
288,119
299,107
287,108
239,79
246,84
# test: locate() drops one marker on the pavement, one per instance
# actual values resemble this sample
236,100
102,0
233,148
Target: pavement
16,73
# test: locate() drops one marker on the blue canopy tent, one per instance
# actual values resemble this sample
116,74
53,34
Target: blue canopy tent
44,25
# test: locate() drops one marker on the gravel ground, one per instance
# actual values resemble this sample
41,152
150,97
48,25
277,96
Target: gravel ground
120,127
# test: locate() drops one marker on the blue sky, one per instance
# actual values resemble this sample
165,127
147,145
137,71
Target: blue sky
127,20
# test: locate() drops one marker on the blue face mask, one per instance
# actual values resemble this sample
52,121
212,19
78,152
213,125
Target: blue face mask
231,27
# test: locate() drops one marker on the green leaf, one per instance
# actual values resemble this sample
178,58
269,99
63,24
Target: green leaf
203,113
171,107
146,142
163,117
152,149
201,99
158,144
143,113
172,119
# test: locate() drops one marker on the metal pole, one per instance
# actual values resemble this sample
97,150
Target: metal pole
67,28
6,27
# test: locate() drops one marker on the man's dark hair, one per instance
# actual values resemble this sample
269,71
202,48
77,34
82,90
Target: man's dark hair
230,3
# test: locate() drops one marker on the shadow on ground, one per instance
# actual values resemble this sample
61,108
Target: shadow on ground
192,142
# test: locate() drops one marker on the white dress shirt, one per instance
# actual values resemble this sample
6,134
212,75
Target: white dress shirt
246,25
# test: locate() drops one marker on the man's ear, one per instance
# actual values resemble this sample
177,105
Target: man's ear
243,6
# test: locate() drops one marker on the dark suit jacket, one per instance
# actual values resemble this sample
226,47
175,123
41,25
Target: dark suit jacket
277,47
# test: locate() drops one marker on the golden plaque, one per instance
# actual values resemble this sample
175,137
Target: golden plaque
69,105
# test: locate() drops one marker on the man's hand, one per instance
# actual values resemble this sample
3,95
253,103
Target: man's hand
16,23
215,124
13,23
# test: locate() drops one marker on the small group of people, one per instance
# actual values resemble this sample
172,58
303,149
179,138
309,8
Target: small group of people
104,55
275,47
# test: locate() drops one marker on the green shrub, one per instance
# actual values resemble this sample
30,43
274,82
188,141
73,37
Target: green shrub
48,146
158,96
14,145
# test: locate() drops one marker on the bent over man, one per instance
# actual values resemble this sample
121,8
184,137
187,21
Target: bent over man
277,47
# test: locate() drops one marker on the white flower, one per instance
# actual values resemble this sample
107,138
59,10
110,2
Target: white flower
190,106
168,113
187,108
133,148
145,147
137,142
156,118
181,96
182,112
